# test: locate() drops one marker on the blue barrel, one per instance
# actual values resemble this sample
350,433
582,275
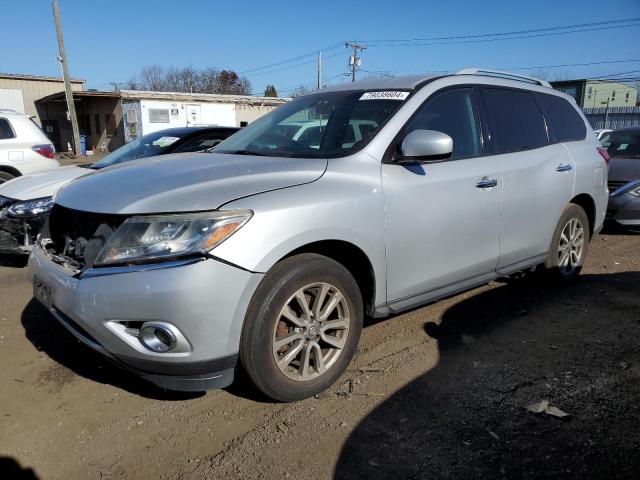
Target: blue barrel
83,145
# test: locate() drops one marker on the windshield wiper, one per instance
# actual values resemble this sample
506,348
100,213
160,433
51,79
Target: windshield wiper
243,152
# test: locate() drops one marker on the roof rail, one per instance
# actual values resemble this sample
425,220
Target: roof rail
8,110
502,74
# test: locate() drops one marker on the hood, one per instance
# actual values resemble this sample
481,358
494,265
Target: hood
41,184
185,182
624,169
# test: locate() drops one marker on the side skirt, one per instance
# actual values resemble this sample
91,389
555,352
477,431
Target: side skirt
402,304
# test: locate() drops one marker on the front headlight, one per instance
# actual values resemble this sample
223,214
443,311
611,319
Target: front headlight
157,237
31,208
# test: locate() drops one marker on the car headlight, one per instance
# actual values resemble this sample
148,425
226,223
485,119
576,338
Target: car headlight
157,237
31,208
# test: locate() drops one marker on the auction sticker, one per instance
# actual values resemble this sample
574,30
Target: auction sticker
386,95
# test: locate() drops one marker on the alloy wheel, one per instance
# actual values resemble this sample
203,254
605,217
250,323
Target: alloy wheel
571,246
311,331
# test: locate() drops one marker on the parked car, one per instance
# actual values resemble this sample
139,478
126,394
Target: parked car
624,177
270,256
25,202
24,148
602,134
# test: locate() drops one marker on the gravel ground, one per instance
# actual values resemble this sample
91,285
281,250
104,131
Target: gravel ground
438,392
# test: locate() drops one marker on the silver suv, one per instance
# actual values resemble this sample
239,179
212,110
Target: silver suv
268,253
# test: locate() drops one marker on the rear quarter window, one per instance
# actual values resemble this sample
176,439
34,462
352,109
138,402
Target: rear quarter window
5,129
565,124
515,120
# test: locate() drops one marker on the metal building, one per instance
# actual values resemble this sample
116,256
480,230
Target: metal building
108,120
19,92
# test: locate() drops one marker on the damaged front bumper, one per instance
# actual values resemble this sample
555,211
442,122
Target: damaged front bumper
18,235
203,299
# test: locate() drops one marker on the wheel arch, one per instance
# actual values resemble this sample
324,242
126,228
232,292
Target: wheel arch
10,170
353,258
587,203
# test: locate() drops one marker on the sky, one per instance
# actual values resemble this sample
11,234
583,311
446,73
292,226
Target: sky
110,41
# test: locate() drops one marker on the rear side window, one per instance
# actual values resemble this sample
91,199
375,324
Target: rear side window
565,124
515,120
5,129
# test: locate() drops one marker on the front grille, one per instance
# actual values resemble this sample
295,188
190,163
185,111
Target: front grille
615,184
78,236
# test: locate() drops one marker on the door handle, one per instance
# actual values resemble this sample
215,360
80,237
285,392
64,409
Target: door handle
564,167
487,182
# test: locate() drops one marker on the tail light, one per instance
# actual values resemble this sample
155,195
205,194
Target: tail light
45,150
604,154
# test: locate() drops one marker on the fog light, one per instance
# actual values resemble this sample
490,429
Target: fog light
157,337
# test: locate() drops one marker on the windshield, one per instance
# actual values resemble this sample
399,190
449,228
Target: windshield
145,146
333,124
624,145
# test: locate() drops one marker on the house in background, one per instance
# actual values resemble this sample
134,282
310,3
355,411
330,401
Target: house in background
598,93
108,120
19,92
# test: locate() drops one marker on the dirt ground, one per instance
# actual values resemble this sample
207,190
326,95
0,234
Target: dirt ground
438,392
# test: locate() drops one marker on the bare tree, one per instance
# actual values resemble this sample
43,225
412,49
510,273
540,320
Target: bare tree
153,78
300,91
556,76
188,79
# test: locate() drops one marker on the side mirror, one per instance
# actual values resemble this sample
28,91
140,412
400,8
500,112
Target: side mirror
425,146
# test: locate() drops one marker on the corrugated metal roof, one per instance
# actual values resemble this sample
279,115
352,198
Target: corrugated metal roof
172,96
202,97
42,78
79,94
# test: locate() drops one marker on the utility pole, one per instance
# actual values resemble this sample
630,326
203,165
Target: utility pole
319,70
354,60
67,82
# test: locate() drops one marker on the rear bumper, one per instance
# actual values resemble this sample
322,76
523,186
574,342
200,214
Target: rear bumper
204,299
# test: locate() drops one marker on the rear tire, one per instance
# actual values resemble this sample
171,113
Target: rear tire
568,248
5,177
302,327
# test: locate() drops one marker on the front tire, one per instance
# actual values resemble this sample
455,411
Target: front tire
302,327
568,248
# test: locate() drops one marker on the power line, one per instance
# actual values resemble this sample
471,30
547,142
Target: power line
615,74
293,59
305,85
603,62
457,39
483,40
515,32
313,60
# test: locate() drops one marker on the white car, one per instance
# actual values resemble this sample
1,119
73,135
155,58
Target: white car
24,148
